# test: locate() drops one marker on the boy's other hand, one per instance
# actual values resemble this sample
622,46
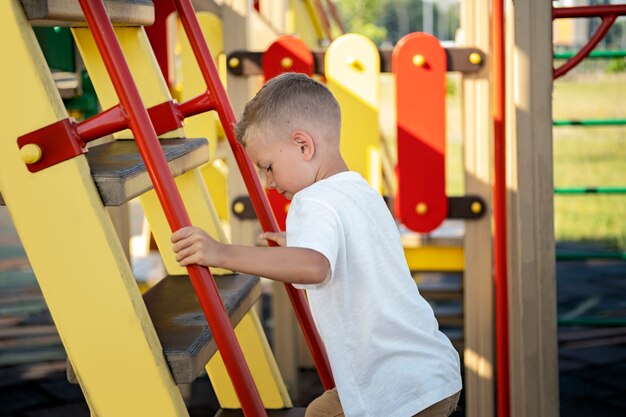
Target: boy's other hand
194,246
279,238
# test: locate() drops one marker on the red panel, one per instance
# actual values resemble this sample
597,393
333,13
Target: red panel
284,51
157,35
286,54
419,63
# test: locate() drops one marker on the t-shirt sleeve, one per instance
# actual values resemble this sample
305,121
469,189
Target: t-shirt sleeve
314,224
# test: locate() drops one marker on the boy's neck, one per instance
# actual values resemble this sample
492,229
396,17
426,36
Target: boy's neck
335,166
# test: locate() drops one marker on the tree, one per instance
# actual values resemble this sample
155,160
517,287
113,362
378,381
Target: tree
389,20
361,16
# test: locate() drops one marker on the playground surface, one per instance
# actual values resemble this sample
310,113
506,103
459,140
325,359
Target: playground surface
592,361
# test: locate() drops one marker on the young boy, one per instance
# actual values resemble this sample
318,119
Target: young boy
342,245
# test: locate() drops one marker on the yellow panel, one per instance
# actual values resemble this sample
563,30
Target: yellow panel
202,125
143,66
352,72
303,21
262,364
201,212
73,248
435,258
216,178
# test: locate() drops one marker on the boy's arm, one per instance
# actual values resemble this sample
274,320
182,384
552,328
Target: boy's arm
293,265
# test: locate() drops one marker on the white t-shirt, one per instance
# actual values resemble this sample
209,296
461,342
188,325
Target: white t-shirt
386,352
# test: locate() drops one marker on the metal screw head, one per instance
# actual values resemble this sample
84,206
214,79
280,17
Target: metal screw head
239,207
286,62
30,153
475,58
234,62
419,60
355,63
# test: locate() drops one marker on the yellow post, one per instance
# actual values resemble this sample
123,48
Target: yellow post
302,20
352,71
73,249
145,71
206,125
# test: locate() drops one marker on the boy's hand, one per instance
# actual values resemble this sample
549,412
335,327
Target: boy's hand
194,246
279,238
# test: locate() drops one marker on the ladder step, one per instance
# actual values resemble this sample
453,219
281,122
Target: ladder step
288,412
120,174
180,323
68,12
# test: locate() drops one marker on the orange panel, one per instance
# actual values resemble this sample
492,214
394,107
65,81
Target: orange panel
419,63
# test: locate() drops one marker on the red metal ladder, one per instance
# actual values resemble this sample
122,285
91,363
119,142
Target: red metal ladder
132,113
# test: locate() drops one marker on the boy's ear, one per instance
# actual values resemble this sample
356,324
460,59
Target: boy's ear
305,143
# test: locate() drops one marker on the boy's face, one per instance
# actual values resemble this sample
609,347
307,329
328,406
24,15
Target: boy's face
281,162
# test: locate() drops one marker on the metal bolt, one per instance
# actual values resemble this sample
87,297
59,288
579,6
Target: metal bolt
234,62
355,63
476,207
421,209
239,207
419,60
286,62
475,58
30,153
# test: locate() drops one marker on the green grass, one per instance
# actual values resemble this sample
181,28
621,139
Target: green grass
590,156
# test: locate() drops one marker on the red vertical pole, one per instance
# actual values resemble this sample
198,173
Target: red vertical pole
499,209
248,173
171,201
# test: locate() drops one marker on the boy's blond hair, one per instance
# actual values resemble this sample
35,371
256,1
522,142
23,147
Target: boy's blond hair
290,102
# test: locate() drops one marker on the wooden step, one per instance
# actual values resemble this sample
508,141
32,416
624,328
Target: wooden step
287,412
120,174
69,13
180,323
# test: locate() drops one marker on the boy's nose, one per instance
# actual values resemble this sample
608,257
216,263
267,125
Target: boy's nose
269,183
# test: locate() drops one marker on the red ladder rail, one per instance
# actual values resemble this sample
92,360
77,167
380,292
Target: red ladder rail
171,202
257,196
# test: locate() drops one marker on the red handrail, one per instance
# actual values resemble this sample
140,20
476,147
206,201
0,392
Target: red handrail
499,210
171,201
588,11
608,14
255,190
